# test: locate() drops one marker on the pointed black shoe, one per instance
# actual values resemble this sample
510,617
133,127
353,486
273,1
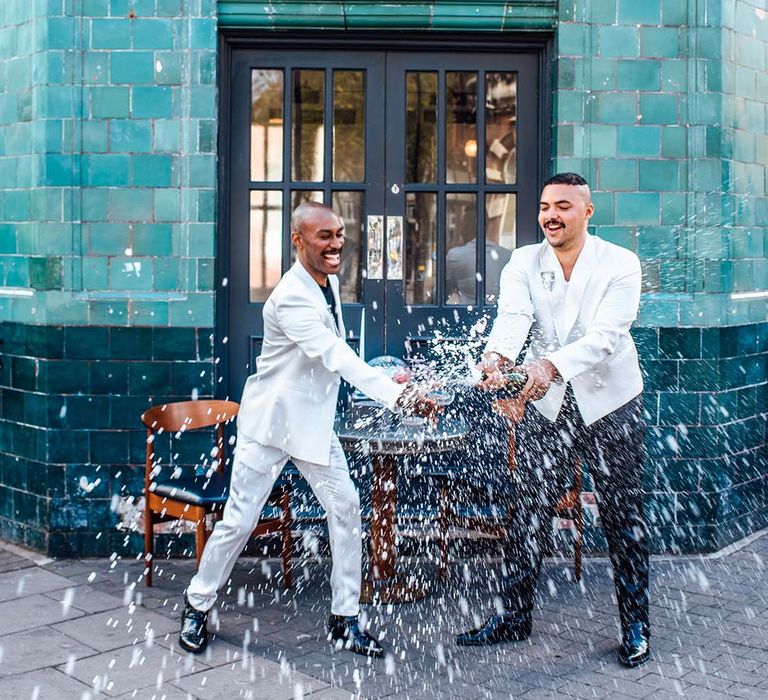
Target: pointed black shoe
194,629
635,647
498,628
346,630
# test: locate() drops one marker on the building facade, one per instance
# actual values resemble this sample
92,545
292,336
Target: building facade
151,151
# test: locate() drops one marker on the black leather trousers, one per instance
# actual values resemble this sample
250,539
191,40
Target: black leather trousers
613,448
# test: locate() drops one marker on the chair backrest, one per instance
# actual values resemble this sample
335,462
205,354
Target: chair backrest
189,415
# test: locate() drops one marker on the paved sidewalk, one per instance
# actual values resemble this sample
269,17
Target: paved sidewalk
88,629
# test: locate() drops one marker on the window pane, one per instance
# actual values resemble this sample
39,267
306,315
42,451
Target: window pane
266,125
348,126
461,248
265,253
461,127
421,128
349,206
500,121
421,248
500,239
307,135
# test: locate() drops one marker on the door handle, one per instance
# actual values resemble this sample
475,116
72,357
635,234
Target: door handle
375,247
395,248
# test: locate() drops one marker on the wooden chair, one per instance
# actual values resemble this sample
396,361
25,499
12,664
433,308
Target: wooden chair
569,506
181,494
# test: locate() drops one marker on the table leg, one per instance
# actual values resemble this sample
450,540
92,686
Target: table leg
385,585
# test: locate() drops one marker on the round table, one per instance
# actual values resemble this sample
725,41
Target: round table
385,438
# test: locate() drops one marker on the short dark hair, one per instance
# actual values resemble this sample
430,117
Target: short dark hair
567,179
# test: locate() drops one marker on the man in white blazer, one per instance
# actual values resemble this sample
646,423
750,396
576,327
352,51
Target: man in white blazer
576,297
287,412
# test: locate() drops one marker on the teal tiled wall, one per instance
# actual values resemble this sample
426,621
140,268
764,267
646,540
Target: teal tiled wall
107,221
108,125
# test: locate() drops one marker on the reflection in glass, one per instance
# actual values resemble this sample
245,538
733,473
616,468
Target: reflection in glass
421,127
421,248
266,125
461,127
500,239
297,197
461,248
500,121
349,206
307,129
348,126
265,243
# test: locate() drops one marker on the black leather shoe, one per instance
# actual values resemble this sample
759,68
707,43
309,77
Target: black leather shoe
194,629
344,632
635,647
498,628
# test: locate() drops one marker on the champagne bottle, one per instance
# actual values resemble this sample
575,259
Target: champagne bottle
515,379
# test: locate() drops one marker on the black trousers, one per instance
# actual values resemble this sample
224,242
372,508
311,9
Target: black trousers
613,448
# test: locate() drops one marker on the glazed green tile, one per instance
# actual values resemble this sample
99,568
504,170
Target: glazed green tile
571,39
167,205
570,106
151,170
130,205
660,42
601,72
130,135
206,205
642,141
617,174
94,203
659,175
130,273
168,68
131,67
45,272
601,140
659,108
110,34
16,205
479,17
637,208
644,12
166,274
109,102
95,272
604,208
153,34
618,41
206,141
203,102
674,141
202,171
151,102
106,170
674,75
196,310
639,75
149,312
152,239
167,135
616,108
623,236
201,240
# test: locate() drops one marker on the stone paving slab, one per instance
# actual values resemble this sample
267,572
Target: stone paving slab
709,617
45,684
38,649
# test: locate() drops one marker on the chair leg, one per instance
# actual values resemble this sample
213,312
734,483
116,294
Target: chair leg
442,532
286,540
149,546
578,543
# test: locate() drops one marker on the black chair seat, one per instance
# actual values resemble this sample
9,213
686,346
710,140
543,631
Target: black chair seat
193,489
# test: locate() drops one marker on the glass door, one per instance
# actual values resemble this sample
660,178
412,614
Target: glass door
458,185
305,126
431,159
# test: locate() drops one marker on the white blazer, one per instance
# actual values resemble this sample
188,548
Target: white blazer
290,402
592,349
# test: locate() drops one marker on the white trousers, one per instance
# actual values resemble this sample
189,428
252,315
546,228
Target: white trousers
254,472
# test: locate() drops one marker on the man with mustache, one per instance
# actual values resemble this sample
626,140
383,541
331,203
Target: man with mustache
287,412
577,296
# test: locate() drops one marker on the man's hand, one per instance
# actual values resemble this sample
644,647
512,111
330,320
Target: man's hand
540,375
414,402
491,369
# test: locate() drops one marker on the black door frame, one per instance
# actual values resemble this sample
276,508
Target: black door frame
455,42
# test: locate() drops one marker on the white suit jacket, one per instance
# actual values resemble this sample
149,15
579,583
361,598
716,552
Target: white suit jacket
592,349
290,402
